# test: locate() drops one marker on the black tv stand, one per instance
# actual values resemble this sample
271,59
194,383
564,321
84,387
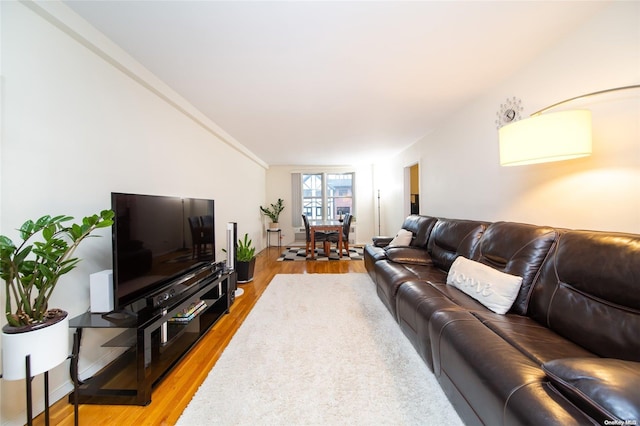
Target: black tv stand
155,338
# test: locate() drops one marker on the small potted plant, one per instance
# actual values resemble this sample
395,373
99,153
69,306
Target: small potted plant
31,270
246,260
273,212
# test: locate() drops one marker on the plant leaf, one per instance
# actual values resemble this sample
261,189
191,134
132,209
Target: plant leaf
76,231
44,270
20,257
104,224
49,231
6,243
107,214
26,229
43,221
66,269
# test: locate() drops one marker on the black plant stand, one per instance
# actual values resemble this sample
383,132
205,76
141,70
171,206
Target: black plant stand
28,381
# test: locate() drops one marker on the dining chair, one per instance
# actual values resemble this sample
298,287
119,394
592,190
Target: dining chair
197,241
319,236
207,231
332,237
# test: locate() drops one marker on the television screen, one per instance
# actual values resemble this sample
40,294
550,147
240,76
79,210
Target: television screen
155,240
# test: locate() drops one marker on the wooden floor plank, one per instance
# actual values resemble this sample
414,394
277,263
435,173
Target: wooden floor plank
173,394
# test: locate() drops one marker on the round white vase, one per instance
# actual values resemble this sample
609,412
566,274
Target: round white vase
48,347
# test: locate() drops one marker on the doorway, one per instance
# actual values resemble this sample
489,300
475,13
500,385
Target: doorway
412,189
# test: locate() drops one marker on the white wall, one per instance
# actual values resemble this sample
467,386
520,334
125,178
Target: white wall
279,186
459,165
80,119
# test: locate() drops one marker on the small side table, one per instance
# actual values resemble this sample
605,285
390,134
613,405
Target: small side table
278,233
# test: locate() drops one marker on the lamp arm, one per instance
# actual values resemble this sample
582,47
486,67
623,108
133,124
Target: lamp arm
600,92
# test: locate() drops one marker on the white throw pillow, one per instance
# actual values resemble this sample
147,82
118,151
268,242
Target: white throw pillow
494,289
402,238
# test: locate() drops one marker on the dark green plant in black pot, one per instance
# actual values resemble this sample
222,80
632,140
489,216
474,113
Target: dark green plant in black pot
246,260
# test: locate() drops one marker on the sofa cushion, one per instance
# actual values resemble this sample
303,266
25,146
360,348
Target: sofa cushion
606,389
408,255
421,227
390,276
516,249
472,358
494,289
402,238
592,275
451,238
412,320
534,340
542,404
417,301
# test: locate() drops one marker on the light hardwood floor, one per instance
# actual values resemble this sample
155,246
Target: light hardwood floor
173,394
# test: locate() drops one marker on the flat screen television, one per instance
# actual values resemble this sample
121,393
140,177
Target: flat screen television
156,239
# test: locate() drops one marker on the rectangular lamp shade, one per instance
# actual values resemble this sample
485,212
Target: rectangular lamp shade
546,137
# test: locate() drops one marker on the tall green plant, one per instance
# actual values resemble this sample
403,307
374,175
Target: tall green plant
31,271
273,212
245,252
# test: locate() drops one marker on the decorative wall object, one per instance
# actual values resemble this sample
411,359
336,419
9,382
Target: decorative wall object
509,112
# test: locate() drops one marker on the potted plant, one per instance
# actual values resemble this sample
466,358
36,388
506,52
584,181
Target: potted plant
31,270
245,260
273,212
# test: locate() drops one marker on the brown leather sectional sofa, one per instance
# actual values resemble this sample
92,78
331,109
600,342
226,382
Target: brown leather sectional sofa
568,350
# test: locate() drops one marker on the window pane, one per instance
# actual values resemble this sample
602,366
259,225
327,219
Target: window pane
312,185
312,195
339,194
312,208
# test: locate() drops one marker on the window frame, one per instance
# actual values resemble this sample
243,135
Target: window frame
327,202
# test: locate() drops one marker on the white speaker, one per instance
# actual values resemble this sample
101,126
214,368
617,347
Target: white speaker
101,290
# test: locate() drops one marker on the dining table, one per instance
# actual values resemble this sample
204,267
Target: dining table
327,225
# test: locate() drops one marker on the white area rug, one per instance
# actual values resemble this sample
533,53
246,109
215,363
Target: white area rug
319,349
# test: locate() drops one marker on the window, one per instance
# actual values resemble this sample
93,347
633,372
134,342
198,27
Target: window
327,195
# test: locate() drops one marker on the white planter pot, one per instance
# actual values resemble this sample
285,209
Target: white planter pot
274,225
48,347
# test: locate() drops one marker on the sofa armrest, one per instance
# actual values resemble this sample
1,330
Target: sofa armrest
380,241
408,255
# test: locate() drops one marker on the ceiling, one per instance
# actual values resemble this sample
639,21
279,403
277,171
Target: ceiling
332,82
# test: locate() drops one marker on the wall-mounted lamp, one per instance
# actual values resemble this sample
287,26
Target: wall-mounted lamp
549,137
